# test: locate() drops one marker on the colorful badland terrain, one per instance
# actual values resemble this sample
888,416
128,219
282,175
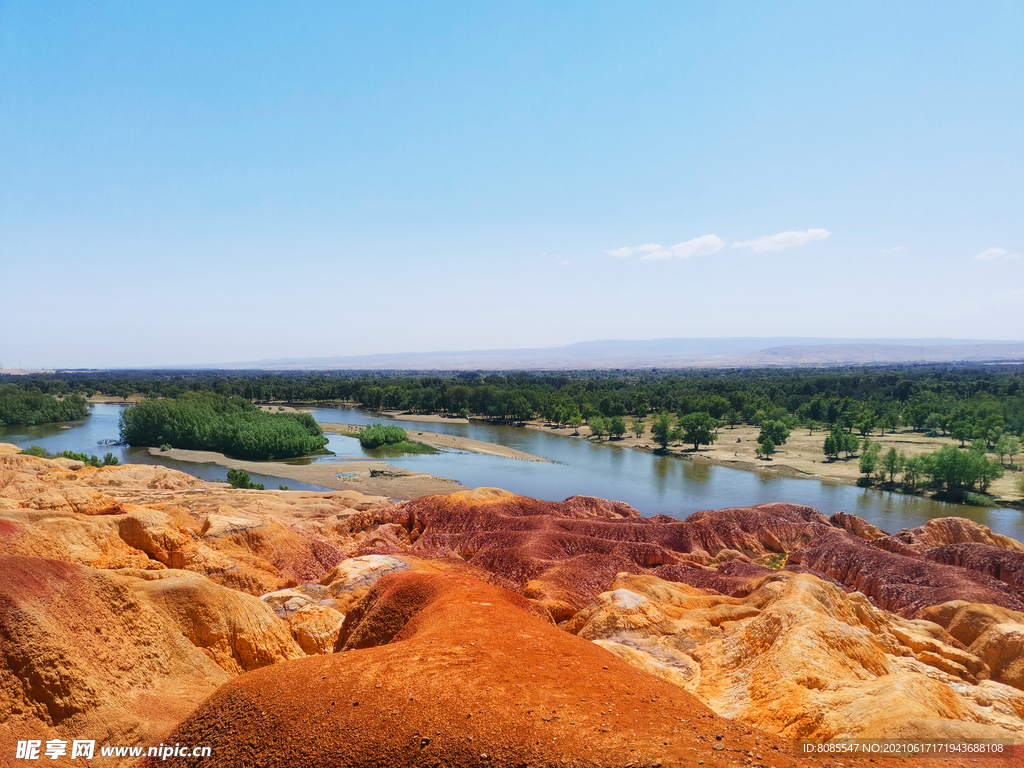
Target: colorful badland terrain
139,605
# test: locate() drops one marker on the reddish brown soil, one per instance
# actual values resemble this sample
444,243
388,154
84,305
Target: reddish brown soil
1006,566
572,550
449,671
899,583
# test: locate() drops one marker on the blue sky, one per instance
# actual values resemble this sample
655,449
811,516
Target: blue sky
194,182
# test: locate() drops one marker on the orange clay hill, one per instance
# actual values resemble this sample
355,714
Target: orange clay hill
440,670
139,605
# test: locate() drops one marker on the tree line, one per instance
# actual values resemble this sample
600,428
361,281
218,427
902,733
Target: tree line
962,401
205,421
21,406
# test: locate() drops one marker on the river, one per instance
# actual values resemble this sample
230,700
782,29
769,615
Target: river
653,484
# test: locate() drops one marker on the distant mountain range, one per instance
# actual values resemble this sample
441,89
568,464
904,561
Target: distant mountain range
668,353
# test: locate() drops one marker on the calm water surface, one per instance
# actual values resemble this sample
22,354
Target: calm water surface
652,484
85,436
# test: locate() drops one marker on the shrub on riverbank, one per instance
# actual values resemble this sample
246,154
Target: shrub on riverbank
19,407
391,437
229,425
377,435
109,460
239,478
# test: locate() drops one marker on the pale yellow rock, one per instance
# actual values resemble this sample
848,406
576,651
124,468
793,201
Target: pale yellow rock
804,659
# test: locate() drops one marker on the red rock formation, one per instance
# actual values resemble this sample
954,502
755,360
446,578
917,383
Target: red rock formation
942,531
858,526
451,671
902,584
1005,565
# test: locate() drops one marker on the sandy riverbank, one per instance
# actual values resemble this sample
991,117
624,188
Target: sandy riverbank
801,456
449,442
392,482
433,418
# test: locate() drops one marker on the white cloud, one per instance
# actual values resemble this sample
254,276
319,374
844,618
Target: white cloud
782,240
996,253
699,246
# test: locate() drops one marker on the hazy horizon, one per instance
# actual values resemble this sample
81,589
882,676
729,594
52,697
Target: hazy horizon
698,352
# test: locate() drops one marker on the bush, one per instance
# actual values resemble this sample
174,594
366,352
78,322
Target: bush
239,478
377,435
980,500
204,421
37,450
89,461
165,447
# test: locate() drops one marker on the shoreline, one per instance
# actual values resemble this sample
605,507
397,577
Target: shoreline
446,442
800,457
391,482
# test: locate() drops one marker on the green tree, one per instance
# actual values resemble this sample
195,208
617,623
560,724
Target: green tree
699,428
598,426
640,406
988,471
239,478
661,430
1012,448
911,471
831,449
576,421
616,426
1000,446
869,457
892,463
638,428
776,431
765,447
961,431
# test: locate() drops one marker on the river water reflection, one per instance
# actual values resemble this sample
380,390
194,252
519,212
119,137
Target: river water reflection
652,484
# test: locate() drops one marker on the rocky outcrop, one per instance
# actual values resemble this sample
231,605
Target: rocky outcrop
802,658
129,618
858,526
903,584
125,517
1005,565
81,652
995,635
943,531
419,683
237,631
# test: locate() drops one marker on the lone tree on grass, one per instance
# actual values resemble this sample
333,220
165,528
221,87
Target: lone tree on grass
700,428
661,430
616,426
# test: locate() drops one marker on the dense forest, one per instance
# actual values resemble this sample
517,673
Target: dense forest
21,406
966,401
206,421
